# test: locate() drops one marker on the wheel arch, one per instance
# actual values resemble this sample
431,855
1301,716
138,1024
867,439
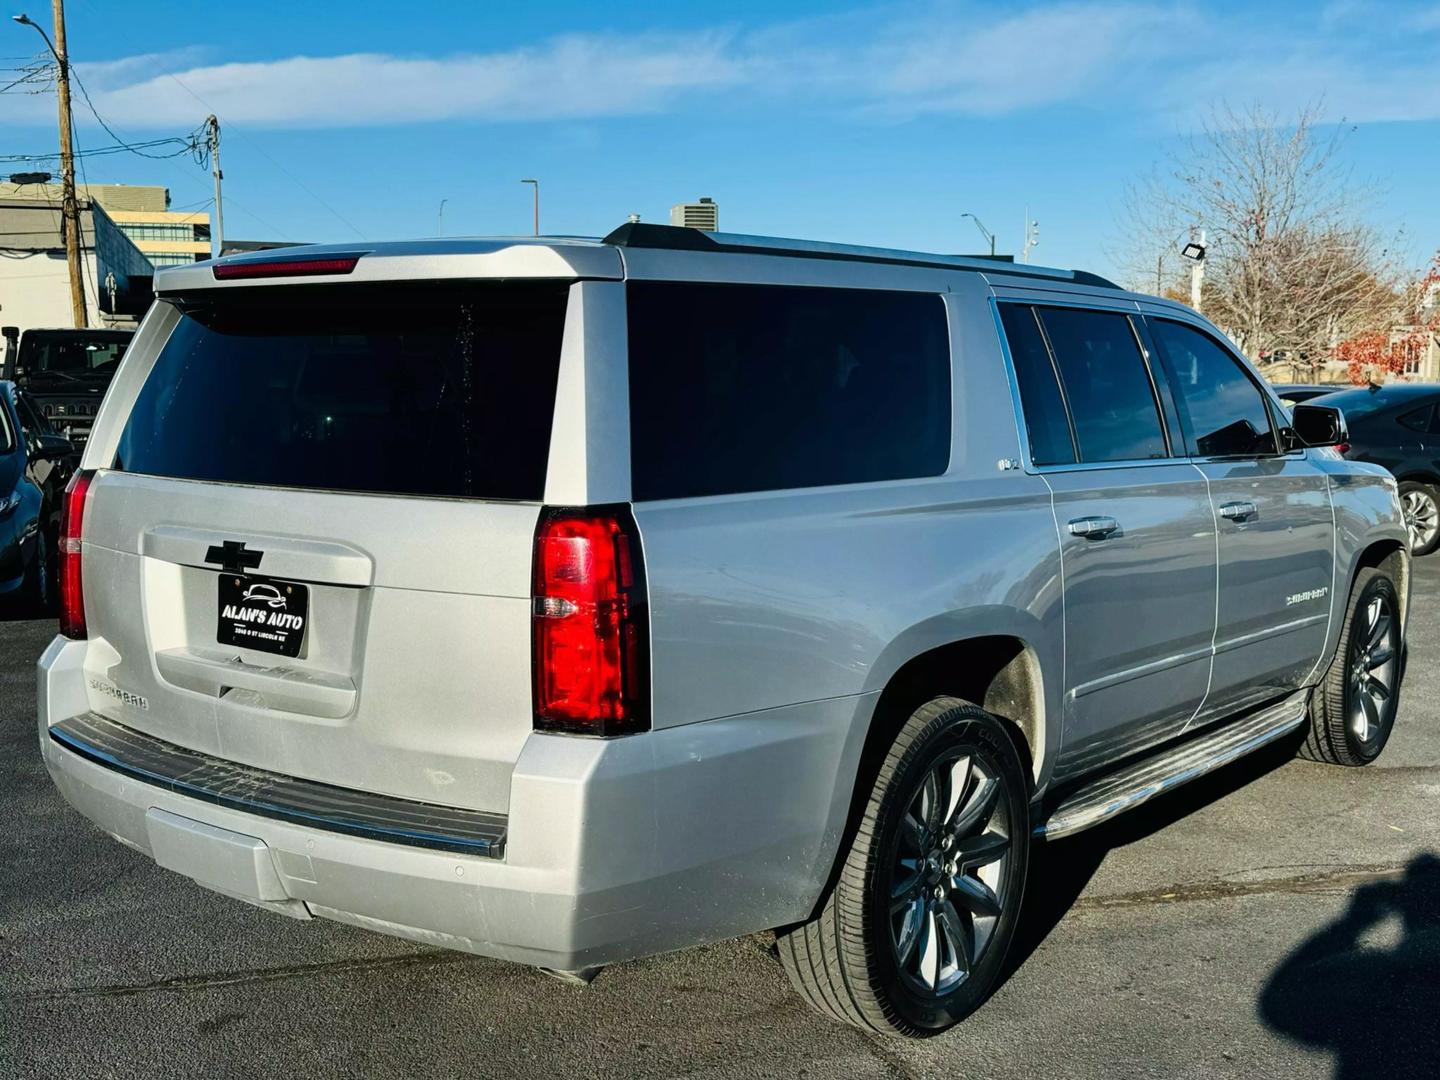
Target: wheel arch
1418,476
1387,554
1002,668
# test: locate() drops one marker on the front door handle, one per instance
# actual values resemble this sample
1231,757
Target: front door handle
1238,511
1093,528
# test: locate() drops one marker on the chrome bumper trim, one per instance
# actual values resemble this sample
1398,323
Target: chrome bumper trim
274,795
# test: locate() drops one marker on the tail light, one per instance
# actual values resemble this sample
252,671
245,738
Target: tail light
591,638
1342,448
72,523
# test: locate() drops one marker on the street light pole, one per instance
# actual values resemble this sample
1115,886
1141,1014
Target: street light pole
536,184
440,219
1032,236
1197,274
69,206
983,231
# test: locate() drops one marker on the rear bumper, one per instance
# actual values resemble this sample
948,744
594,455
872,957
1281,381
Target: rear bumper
614,848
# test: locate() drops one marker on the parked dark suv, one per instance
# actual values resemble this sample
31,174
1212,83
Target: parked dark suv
1398,427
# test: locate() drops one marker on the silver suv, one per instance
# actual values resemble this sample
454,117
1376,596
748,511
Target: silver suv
572,601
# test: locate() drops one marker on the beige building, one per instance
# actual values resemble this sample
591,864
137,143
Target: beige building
142,212
35,276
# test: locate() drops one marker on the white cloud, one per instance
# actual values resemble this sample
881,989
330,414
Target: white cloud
1153,58
579,76
1047,54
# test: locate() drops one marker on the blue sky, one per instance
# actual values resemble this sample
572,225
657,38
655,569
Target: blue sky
870,124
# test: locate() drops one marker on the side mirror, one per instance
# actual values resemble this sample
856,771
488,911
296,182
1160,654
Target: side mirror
1318,425
51,447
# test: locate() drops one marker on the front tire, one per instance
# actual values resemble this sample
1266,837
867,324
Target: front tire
1352,711
1421,508
913,936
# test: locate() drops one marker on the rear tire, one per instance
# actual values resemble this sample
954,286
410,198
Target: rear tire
913,936
1421,507
1352,711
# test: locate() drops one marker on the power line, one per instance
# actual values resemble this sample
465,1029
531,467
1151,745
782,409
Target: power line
192,142
230,126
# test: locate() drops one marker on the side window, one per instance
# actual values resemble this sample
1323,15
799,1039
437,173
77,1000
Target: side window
1107,384
1417,419
737,388
1044,408
1226,411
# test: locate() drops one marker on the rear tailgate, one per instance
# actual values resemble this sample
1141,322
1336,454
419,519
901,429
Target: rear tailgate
312,554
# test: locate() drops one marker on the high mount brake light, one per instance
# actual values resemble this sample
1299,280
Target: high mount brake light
589,618
72,586
340,264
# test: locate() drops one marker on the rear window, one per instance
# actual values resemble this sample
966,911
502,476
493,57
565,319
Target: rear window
412,390
739,388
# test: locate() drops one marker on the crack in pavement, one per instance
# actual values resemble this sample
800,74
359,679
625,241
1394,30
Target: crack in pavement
1321,881
179,983
1337,878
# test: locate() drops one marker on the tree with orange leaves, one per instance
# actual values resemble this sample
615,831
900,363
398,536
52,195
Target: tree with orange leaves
1399,344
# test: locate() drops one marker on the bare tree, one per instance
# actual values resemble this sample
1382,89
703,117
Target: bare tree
1293,266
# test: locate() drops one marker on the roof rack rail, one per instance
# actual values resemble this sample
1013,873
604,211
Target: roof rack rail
681,238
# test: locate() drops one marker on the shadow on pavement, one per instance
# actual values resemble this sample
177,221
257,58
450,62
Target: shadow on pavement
1367,987
1060,870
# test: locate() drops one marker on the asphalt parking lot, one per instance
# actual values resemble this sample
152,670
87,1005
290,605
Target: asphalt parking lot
1278,919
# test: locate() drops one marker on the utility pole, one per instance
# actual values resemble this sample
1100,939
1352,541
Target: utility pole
217,234
536,183
69,206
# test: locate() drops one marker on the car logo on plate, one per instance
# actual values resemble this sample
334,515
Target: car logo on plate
263,593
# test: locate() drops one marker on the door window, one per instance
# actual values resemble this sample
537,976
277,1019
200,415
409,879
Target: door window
1224,410
1040,398
1107,384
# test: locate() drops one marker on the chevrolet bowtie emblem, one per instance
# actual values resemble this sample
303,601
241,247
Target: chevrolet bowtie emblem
233,556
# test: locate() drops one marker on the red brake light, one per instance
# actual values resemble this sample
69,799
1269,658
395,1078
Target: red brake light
72,523
339,264
589,616
1342,448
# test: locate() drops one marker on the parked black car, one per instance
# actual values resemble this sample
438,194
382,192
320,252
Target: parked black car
35,465
65,372
1295,393
1397,426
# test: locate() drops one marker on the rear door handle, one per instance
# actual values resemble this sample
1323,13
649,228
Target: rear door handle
1237,511
1093,528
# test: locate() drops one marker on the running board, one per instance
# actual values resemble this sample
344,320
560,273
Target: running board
1114,793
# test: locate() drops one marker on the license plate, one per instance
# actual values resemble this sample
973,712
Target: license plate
262,613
